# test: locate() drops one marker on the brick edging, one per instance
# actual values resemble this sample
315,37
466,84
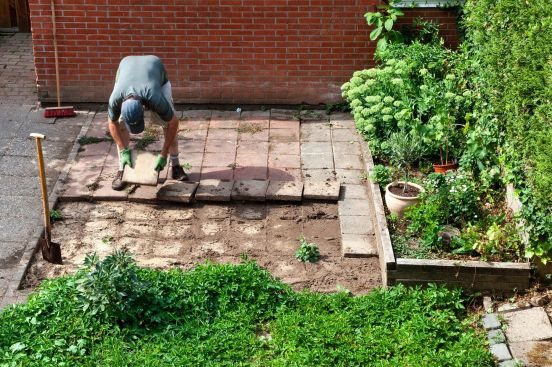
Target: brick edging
498,343
385,249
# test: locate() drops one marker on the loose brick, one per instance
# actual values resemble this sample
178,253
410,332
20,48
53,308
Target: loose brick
284,191
181,192
214,190
321,190
354,245
142,171
251,190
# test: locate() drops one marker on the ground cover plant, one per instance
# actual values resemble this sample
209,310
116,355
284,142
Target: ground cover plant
113,313
483,109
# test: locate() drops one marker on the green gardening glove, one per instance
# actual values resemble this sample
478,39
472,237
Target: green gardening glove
160,162
125,158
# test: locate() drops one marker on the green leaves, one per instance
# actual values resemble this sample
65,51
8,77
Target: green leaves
307,252
383,22
239,315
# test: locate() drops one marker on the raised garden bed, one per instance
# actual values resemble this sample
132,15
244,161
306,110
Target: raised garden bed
468,274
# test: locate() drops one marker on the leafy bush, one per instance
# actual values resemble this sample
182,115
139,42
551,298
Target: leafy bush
381,175
238,315
450,199
111,289
510,56
414,89
307,252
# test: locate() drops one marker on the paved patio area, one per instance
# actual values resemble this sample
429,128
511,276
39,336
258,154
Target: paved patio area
254,147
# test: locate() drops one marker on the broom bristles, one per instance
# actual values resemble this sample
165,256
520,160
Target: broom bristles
67,111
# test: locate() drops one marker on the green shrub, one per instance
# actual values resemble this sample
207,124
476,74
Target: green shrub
238,315
381,175
415,89
512,71
450,199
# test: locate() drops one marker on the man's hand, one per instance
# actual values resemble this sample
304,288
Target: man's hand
160,162
125,158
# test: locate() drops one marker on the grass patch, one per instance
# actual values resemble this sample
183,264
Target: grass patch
86,140
249,128
150,136
113,313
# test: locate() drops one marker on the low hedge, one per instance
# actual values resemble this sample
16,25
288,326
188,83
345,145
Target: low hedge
510,49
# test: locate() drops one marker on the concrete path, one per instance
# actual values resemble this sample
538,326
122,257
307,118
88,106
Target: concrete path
20,204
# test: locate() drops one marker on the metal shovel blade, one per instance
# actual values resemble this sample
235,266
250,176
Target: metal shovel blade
51,252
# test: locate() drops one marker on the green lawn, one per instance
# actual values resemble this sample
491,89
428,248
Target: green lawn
113,313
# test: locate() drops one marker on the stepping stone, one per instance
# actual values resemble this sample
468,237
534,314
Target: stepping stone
181,192
355,245
284,191
356,224
532,353
530,324
321,190
144,194
104,192
491,322
214,190
252,190
500,352
143,172
496,336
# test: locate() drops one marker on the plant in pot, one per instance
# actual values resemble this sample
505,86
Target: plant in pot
405,149
444,134
451,107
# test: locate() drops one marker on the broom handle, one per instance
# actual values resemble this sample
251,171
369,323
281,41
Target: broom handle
47,224
55,51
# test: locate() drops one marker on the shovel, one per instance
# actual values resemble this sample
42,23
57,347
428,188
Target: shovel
51,251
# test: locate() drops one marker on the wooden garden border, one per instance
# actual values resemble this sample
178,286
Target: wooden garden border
470,275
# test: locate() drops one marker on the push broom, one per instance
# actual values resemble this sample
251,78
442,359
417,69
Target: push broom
59,111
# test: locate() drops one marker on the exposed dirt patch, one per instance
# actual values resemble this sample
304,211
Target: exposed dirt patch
182,236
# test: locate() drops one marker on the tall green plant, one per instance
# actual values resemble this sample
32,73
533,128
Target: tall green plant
406,149
383,22
512,72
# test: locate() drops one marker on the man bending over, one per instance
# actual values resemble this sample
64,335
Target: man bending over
142,83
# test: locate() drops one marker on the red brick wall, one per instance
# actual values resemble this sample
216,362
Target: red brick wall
216,51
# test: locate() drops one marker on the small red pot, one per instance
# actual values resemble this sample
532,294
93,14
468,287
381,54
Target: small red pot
443,168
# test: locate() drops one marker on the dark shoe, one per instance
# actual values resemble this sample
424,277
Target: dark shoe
118,184
178,173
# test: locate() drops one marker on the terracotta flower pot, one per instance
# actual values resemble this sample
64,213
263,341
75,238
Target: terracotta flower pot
443,168
396,203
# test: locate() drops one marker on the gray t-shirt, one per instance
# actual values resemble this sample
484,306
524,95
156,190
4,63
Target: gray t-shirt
142,76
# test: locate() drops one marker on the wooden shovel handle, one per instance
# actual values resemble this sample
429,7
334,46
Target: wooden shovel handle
47,224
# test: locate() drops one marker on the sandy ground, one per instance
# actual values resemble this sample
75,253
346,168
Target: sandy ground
182,236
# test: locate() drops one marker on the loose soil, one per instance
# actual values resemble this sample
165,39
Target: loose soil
399,190
164,237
